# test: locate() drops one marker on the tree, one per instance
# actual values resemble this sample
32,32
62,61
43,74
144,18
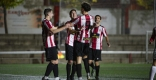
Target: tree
6,4
147,4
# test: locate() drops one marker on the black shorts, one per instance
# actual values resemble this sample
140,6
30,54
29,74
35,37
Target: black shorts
51,53
81,49
69,52
74,51
94,54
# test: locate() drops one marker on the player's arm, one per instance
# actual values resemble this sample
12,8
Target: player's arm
107,40
71,31
56,30
106,37
152,36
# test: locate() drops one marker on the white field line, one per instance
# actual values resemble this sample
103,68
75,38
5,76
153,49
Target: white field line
24,77
103,52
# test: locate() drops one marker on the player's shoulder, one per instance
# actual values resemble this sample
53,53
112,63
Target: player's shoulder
101,26
45,20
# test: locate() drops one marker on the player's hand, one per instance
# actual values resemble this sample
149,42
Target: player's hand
82,28
67,25
70,24
150,42
108,44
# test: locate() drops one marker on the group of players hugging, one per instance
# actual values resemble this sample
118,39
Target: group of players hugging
83,43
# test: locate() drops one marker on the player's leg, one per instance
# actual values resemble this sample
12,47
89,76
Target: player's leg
79,48
55,58
85,59
74,62
49,68
90,62
55,70
97,58
68,68
93,68
97,67
69,58
153,70
51,55
91,58
86,65
73,70
79,67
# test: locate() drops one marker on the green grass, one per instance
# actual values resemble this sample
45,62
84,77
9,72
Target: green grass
106,70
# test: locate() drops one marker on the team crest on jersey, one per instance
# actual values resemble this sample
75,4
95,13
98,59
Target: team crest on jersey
95,35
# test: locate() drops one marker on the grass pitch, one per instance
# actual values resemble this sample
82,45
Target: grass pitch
108,71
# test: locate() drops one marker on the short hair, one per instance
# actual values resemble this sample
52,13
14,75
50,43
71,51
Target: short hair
98,16
71,11
46,11
86,6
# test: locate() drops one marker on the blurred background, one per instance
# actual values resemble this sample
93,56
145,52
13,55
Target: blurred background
128,24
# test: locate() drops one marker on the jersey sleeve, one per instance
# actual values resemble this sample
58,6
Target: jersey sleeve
104,32
153,35
48,24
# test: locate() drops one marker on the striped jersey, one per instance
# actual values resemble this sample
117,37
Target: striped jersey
97,34
47,35
70,37
84,21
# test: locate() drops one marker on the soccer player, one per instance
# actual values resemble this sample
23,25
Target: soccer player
153,68
82,41
97,34
48,31
70,55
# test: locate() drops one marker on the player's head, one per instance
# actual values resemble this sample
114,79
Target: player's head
85,7
48,13
97,18
73,14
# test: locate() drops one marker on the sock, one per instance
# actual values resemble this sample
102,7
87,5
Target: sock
55,70
73,69
153,71
50,67
78,69
79,78
68,69
92,65
57,78
97,70
86,64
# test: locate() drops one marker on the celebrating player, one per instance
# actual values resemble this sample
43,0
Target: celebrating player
153,68
97,34
82,42
70,54
48,31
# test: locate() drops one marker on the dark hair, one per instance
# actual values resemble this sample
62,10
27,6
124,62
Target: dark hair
71,11
98,16
86,6
46,11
